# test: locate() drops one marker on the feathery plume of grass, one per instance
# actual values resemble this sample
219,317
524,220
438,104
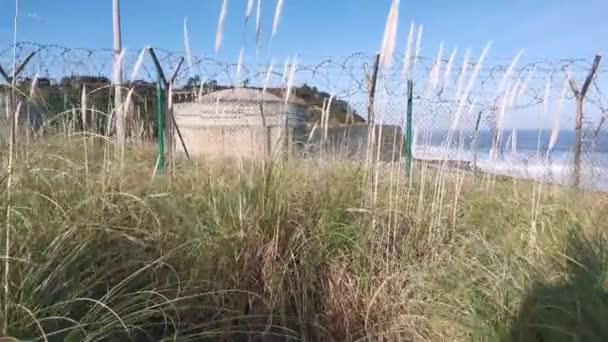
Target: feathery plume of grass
285,71
448,69
417,51
507,75
390,36
312,131
267,78
464,95
437,202
546,95
462,103
556,120
512,98
376,173
438,65
435,70
502,90
85,121
72,122
327,113
544,112
139,63
538,184
463,73
387,51
458,116
129,99
517,90
524,85
219,36
407,62
8,223
291,79
83,106
277,17
118,114
188,47
173,146
249,10
239,68
16,114
258,25
7,106
472,107
323,113
407,75
476,70
201,89
118,63
33,86
14,61
505,100
514,142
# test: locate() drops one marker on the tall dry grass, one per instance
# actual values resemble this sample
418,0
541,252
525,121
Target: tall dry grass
286,251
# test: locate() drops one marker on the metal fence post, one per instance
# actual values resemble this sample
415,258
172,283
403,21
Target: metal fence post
474,143
579,96
372,92
409,132
160,119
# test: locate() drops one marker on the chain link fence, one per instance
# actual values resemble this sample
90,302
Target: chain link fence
484,114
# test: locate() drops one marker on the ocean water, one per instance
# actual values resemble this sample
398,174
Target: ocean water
523,154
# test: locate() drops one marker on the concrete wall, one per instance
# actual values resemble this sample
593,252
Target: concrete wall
236,128
211,113
232,141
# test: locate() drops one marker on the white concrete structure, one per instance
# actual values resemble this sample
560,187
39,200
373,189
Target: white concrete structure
239,123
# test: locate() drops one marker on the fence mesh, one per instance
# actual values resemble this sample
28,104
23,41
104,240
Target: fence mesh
485,113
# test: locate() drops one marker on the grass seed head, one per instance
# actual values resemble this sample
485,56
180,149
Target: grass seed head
219,36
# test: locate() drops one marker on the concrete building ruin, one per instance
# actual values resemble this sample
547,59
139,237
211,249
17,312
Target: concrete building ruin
240,123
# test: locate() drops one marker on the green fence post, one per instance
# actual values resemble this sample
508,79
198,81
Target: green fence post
408,141
160,120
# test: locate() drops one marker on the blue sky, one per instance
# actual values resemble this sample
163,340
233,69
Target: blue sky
555,28
318,28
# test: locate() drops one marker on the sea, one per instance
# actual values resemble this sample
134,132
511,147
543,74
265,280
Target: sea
522,154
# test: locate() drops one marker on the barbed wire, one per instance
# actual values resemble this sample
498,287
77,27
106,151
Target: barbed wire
540,94
344,77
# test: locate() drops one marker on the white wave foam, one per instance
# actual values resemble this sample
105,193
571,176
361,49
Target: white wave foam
527,165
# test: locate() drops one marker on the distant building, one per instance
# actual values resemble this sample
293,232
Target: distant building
240,122
41,82
76,81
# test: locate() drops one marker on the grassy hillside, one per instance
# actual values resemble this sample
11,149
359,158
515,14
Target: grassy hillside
293,250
